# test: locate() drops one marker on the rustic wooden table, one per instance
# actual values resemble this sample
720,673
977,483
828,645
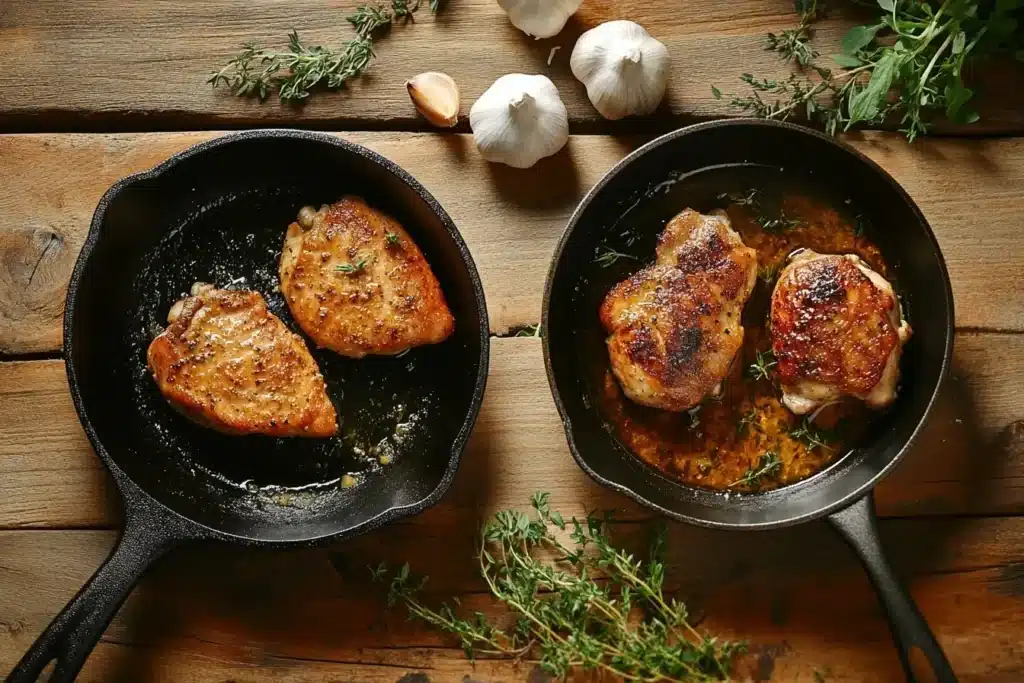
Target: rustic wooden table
83,86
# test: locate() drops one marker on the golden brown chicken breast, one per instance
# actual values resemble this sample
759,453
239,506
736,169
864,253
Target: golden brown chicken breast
837,330
358,285
674,327
228,363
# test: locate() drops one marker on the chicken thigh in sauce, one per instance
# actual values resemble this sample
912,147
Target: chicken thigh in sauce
837,329
674,327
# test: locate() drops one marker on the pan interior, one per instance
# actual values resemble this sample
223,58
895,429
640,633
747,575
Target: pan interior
627,212
220,217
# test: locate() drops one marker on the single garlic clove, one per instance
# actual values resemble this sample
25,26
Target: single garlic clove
436,97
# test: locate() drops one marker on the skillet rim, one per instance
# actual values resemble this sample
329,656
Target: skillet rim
823,510
133,494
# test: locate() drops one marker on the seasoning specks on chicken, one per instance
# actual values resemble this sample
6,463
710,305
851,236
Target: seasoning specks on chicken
228,363
674,327
357,284
837,330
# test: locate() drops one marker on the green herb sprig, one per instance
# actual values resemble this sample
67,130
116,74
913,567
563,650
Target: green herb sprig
353,267
762,366
747,421
768,466
566,620
916,49
777,224
811,436
767,273
606,256
294,72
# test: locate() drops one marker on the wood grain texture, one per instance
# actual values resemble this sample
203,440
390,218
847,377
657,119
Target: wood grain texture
970,460
218,613
970,191
145,63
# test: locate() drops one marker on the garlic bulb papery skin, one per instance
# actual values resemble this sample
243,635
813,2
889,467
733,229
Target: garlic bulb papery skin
540,18
624,68
519,120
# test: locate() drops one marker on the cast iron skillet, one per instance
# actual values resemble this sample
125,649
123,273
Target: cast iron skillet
636,197
217,212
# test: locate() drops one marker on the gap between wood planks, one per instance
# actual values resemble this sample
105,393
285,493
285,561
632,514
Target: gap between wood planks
57,122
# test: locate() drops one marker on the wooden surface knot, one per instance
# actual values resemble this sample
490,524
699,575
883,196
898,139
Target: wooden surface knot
34,269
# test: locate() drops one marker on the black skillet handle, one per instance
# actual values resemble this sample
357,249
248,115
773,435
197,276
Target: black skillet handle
73,633
922,657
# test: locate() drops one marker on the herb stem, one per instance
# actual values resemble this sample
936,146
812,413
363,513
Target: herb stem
931,64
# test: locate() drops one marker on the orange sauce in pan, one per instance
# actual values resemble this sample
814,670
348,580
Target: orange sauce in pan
726,442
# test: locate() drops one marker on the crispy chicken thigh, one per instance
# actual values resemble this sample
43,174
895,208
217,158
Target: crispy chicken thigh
228,363
357,284
674,327
837,330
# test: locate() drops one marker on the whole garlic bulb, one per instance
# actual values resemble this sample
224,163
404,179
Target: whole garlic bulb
540,18
519,120
624,68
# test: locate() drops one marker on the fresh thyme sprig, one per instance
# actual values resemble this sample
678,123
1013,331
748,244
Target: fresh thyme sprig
768,466
811,436
747,421
564,618
294,72
777,224
606,256
918,48
751,197
762,366
354,267
767,273
794,44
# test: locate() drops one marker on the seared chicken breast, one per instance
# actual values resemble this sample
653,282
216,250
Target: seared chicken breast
674,327
837,330
228,363
357,284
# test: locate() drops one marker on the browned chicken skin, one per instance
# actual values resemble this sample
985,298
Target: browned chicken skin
227,362
674,327
357,284
837,330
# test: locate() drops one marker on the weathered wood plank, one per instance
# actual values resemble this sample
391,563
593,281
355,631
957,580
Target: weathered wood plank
145,63
970,460
971,192
305,615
